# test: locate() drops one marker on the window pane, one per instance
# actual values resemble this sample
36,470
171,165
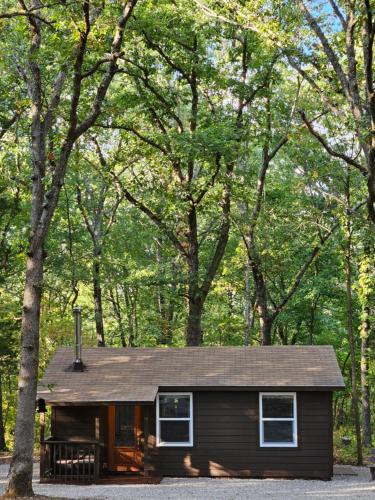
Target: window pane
278,432
125,426
174,406
173,431
277,406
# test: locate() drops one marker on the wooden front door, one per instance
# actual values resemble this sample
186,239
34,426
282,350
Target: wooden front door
124,438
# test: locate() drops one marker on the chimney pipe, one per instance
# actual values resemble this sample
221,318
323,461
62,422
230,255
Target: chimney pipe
77,364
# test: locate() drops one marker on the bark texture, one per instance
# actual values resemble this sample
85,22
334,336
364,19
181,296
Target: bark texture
21,466
98,305
365,289
3,445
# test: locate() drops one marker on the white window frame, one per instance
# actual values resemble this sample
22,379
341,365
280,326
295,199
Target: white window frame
159,419
294,444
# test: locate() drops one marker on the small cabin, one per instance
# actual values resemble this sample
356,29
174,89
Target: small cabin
197,411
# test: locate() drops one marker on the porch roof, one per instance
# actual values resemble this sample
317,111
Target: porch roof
136,374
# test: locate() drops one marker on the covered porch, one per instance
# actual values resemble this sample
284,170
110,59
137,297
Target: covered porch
96,444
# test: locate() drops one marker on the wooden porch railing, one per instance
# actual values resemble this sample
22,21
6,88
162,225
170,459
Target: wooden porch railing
70,461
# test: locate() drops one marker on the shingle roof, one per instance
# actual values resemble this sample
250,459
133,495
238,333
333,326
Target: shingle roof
136,374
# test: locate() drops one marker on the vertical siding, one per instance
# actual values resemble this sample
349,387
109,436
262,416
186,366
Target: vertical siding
226,440
226,437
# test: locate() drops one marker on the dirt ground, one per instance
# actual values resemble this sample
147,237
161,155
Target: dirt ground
342,487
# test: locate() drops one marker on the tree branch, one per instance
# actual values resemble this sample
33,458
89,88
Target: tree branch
150,214
332,57
76,130
328,148
5,126
338,13
308,262
141,136
335,110
55,100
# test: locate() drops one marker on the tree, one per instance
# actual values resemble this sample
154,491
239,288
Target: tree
98,213
347,46
51,145
196,136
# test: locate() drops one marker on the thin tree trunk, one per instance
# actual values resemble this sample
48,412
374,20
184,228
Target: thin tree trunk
3,446
265,320
114,299
134,302
365,386
365,286
98,306
249,316
20,479
350,332
130,315
164,311
73,279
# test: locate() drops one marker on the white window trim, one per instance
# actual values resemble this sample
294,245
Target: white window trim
159,442
294,444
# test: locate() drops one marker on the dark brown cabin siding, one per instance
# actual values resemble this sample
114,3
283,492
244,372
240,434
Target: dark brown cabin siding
226,440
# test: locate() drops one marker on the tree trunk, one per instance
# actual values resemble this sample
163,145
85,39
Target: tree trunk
130,315
249,316
311,326
98,306
20,476
265,320
365,287
3,446
195,309
349,310
365,387
166,315
266,330
194,326
114,299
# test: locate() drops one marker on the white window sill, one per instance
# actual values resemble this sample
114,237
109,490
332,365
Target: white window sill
278,445
174,445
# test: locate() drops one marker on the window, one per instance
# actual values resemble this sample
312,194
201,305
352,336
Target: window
174,419
278,419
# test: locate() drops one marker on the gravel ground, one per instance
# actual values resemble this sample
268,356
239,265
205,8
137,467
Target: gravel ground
341,487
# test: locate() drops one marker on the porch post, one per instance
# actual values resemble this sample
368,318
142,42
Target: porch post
42,421
97,461
146,432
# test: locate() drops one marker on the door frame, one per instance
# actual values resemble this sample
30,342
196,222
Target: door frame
112,465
